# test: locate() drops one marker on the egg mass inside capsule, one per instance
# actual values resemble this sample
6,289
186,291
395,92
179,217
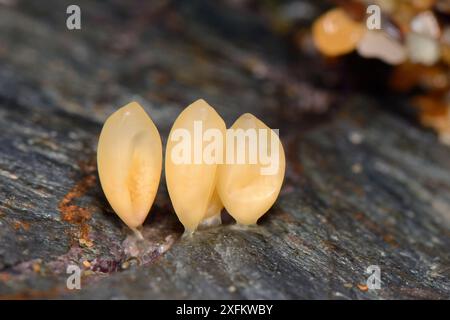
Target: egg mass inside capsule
129,161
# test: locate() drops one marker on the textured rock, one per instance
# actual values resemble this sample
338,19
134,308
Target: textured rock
363,186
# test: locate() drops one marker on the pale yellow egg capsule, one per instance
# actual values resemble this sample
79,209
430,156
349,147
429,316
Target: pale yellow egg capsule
194,149
249,187
129,160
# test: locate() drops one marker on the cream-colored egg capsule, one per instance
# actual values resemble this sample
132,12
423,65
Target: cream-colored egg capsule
129,160
251,179
194,149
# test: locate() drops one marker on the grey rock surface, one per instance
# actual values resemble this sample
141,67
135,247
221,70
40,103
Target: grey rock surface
363,186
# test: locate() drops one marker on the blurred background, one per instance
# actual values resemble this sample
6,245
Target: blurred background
168,51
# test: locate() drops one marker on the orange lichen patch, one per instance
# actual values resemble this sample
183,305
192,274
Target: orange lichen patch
363,287
73,213
84,234
85,242
335,33
21,225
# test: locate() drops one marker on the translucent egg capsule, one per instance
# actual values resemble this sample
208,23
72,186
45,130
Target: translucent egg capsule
194,150
335,33
250,180
129,160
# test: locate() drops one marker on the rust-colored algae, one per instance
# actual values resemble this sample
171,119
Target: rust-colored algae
75,214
